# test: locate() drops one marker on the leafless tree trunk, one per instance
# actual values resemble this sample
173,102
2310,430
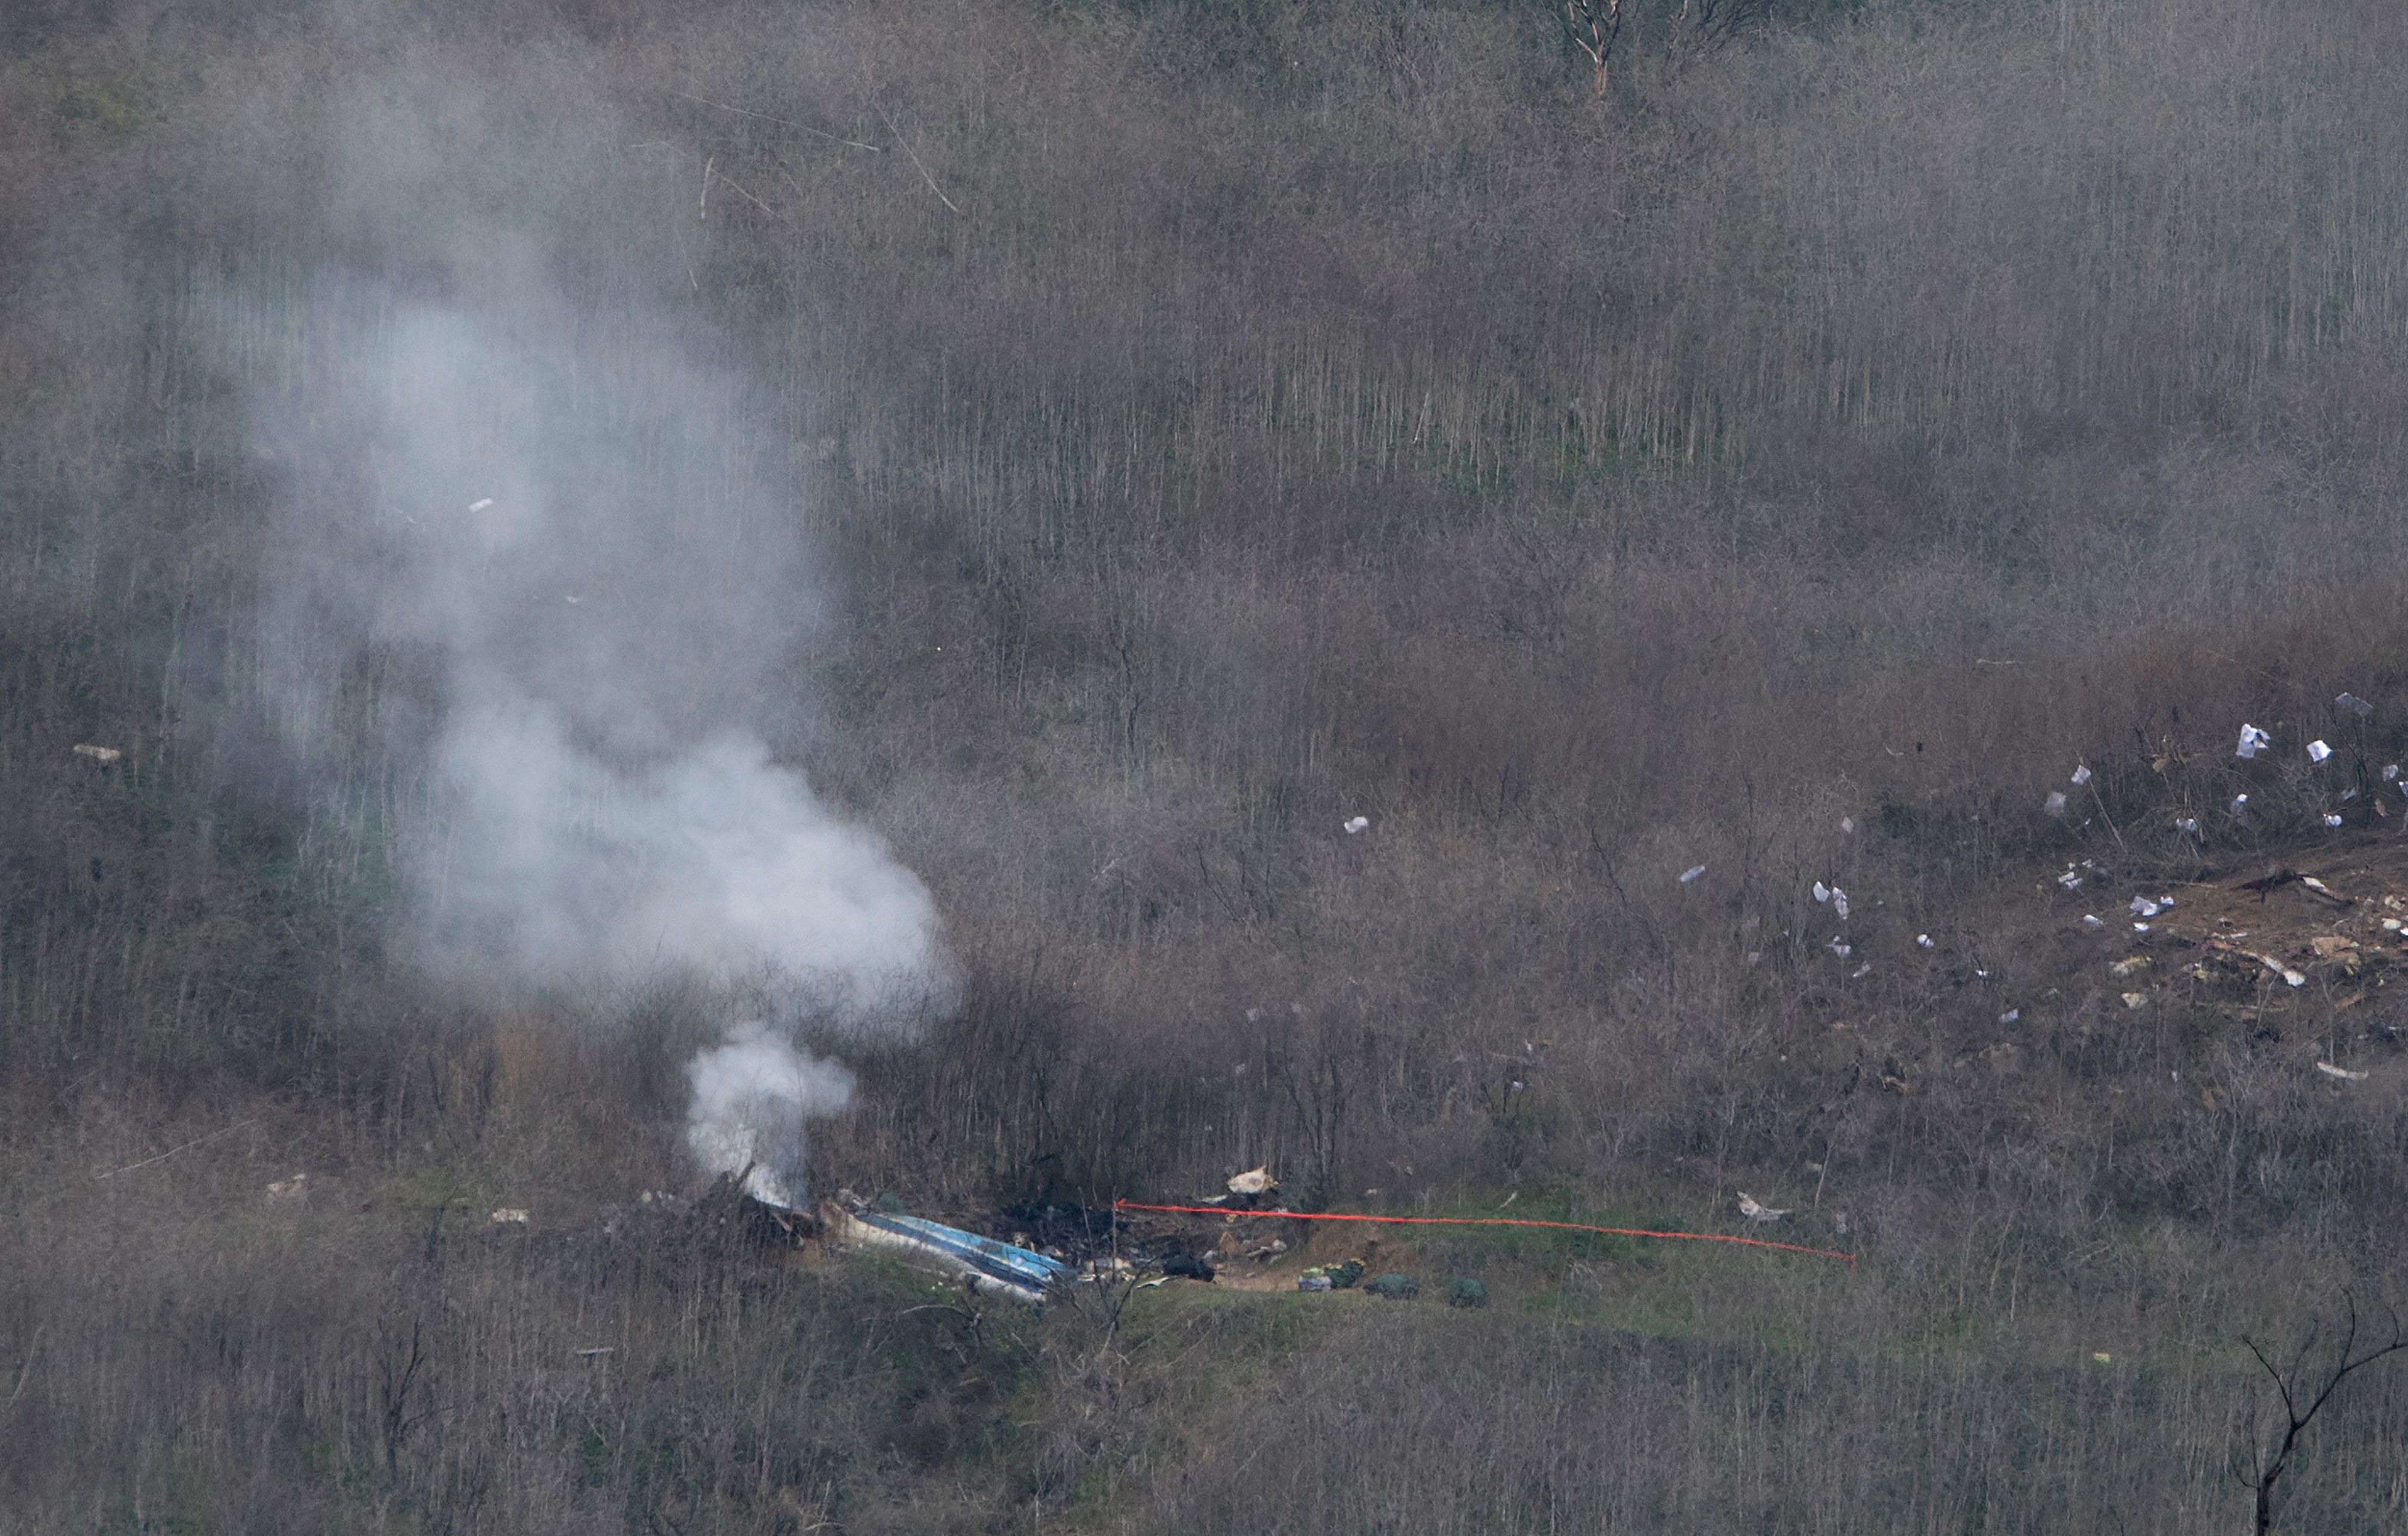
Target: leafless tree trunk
2292,1384
1594,25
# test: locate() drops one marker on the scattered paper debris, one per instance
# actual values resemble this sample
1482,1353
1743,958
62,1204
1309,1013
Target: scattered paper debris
2188,824
1923,940
2081,774
2342,1072
1253,1181
2140,928
2240,807
2129,965
2101,1357
1861,971
291,1191
2055,804
1822,893
2091,922
2331,819
2069,879
2390,771
2011,1015
1848,825
2136,999
1690,874
2354,705
1358,825
508,1216
103,756
480,505
1839,902
2318,751
2144,907
2253,742
1843,951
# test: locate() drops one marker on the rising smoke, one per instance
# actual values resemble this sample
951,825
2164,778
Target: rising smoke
580,538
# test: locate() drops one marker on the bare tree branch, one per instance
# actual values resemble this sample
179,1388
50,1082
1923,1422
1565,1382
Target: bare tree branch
2346,1362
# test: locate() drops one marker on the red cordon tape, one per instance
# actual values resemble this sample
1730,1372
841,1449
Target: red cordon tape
1497,1221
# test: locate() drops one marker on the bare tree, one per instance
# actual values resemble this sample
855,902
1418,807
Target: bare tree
2292,1384
1594,27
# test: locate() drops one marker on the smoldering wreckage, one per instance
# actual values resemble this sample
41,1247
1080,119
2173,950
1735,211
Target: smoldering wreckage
1050,1251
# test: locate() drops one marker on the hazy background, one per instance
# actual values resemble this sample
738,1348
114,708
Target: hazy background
1027,476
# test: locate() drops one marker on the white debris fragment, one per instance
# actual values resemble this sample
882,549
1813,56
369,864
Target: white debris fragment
2240,807
1843,951
2354,704
480,505
507,1215
2081,774
2091,923
2253,742
1749,1208
2011,1015
2188,824
2390,772
2070,881
1690,874
1358,825
2342,1072
1923,940
2318,751
1839,902
1253,1181
2331,819
2144,907
103,756
2136,999
2055,804
2140,928
1822,893
1848,825
1861,971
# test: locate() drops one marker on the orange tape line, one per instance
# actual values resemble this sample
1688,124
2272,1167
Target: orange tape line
1498,1221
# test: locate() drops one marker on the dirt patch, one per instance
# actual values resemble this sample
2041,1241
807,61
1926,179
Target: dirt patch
2329,932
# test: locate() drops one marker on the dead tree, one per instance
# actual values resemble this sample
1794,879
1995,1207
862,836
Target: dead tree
2291,1385
1594,27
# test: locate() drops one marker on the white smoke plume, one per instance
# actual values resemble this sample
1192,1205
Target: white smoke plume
750,1098
582,548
